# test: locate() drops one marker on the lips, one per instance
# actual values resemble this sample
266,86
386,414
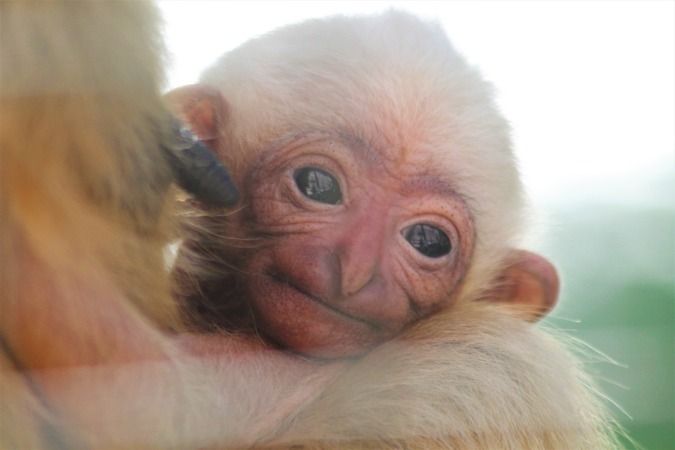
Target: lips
302,322
285,281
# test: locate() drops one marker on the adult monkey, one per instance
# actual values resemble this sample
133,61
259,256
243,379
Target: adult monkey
381,209
91,349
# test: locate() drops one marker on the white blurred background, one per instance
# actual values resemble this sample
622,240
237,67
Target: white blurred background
589,88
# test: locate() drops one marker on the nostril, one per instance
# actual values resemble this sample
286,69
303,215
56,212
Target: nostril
356,274
359,250
312,269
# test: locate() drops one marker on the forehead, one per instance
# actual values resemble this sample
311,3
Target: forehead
410,135
415,160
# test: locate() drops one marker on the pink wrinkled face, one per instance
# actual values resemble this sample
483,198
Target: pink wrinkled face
358,244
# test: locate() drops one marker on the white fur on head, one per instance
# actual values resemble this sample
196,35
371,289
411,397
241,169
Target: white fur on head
392,79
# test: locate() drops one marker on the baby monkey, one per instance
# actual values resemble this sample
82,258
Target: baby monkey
378,188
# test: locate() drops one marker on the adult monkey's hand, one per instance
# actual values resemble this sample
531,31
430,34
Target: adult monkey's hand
197,170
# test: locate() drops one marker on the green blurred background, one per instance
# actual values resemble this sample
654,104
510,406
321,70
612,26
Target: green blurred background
618,268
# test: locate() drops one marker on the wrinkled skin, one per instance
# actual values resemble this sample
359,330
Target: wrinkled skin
367,184
335,279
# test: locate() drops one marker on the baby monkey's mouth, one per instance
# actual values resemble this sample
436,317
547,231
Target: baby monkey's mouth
280,278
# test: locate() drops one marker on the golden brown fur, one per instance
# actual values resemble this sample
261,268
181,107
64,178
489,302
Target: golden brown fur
84,191
77,124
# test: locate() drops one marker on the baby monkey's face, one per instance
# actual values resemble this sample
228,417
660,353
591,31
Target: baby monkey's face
358,243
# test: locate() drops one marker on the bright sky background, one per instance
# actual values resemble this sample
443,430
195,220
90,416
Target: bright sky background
589,87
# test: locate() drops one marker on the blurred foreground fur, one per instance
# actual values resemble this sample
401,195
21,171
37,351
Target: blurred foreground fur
84,189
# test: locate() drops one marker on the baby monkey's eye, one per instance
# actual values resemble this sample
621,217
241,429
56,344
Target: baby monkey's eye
318,185
428,240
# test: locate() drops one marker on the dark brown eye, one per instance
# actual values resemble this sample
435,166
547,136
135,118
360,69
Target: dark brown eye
428,240
318,185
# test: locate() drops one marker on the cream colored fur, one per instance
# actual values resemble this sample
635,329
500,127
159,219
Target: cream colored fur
475,377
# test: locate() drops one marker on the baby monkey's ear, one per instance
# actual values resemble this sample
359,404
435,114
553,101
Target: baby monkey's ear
529,283
192,149
202,108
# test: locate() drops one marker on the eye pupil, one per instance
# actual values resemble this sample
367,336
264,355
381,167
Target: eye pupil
428,240
318,185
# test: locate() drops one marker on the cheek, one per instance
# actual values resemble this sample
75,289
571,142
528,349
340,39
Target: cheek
263,200
429,290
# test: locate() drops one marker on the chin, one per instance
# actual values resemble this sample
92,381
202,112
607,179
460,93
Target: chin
303,324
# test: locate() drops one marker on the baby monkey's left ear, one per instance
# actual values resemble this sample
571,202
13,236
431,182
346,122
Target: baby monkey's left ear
529,283
202,108
192,151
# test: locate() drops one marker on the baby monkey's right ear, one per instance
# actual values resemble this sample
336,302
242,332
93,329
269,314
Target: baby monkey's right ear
203,108
529,284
